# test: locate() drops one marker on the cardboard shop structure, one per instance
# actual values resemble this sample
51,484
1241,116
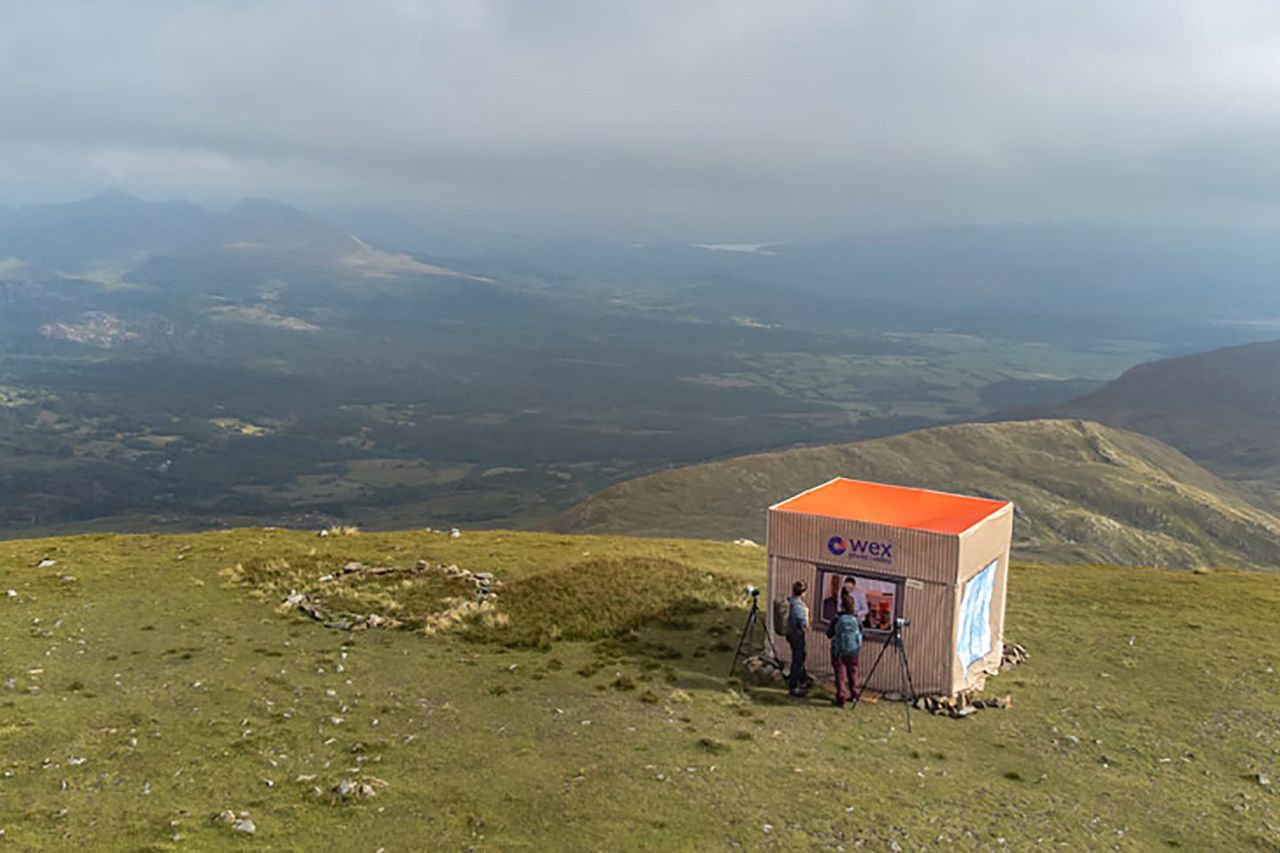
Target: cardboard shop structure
939,560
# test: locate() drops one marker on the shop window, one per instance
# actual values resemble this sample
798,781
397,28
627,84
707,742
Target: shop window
875,599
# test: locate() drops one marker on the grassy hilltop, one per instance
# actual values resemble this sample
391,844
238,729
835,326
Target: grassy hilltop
1084,493
149,682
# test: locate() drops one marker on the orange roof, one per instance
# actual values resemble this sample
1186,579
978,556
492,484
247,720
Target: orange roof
897,506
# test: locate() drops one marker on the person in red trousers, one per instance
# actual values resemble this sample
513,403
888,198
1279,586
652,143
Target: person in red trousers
846,644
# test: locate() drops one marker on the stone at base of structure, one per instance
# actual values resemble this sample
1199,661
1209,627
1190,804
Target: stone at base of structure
961,705
763,671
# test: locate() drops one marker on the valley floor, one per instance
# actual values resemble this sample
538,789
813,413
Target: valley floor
147,688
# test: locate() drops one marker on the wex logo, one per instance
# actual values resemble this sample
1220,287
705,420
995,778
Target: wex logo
861,549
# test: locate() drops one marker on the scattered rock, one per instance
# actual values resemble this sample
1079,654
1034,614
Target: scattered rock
46,563
245,825
348,789
1012,655
225,816
1263,779
960,705
746,543
454,533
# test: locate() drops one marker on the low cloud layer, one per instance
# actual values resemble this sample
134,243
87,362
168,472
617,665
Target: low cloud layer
742,118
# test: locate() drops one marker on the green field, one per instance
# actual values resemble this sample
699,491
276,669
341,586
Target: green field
150,682
385,404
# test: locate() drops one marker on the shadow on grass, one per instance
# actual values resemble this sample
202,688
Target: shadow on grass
693,650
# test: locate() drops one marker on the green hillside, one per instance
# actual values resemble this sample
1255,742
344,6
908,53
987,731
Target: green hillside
151,682
1084,493
1221,408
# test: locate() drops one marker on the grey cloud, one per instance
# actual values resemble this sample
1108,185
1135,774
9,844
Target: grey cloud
748,118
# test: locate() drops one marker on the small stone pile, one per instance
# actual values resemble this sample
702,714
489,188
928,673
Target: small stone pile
486,586
1014,654
237,822
484,596
763,671
342,622
963,704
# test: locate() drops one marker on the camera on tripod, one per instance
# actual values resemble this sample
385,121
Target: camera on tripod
753,591
902,622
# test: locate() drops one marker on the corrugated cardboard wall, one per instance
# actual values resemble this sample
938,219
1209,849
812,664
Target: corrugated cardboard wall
920,554
797,547
978,547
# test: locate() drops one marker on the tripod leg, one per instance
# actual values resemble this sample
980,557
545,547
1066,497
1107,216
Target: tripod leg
769,645
906,671
906,668
745,641
866,679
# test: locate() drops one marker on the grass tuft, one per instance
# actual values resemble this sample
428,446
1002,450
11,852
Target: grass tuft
601,598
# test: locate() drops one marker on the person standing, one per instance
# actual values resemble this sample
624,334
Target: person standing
860,601
797,628
845,632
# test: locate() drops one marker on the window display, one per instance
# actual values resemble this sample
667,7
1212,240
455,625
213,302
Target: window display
875,599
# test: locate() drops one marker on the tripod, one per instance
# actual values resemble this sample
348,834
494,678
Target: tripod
895,640
748,640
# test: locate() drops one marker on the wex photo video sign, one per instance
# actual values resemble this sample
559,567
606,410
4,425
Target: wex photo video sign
861,549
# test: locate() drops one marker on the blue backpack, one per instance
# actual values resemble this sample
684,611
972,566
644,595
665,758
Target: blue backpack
846,635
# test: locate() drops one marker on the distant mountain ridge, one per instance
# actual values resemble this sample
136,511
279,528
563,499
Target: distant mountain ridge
116,229
67,236
1221,408
1084,493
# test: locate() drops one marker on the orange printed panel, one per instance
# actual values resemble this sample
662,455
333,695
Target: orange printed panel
897,506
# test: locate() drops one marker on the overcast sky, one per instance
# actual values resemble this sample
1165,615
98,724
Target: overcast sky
736,119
